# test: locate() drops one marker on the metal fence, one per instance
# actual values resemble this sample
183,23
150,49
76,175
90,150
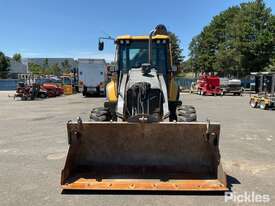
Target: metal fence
8,84
184,83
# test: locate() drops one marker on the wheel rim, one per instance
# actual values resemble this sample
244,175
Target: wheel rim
253,103
262,105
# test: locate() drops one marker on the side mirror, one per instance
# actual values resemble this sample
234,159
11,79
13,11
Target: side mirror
174,68
100,45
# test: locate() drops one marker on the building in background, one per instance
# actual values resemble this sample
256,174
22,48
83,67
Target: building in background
52,61
16,68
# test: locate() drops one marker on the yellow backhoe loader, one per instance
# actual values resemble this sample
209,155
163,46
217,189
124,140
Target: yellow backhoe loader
143,138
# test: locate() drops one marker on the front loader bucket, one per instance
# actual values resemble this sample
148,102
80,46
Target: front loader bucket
143,156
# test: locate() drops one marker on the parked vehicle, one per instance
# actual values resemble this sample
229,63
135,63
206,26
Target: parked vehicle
52,86
53,89
209,85
29,92
67,85
264,87
92,76
231,86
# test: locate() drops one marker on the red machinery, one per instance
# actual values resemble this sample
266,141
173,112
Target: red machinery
53,89
209,85
29,92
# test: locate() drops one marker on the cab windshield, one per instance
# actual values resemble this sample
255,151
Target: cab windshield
134,54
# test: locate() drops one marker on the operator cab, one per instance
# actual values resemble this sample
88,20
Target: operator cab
132,52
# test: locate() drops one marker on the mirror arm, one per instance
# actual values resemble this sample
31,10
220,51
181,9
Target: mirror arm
106,38
101,42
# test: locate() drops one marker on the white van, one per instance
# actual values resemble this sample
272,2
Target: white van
92,76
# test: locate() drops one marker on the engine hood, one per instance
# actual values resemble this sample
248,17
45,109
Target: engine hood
136,75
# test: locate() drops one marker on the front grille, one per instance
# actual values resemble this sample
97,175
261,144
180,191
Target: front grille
142,100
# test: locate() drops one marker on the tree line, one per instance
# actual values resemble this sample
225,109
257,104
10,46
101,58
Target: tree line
5,63
4,66
238,41
47,69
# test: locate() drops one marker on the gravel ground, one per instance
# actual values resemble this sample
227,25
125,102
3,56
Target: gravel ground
33,146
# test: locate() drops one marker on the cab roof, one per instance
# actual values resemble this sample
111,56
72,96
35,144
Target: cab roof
128,37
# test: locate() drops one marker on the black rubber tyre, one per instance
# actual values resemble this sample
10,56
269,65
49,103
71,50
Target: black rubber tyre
187,108
187,118
100,114
43,95
186,113
98,109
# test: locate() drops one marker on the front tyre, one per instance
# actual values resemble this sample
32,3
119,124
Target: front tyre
100,114
186,113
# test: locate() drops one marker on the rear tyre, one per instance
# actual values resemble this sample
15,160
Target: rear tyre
100,114
186,113
43,95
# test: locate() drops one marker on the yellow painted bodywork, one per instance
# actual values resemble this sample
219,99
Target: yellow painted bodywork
172,89
267,101
68,89
257,99
128,37
111,91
